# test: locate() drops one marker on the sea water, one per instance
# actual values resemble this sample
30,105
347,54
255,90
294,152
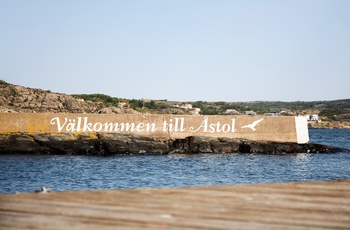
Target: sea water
25,173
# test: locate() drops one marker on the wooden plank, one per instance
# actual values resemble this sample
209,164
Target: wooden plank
298,205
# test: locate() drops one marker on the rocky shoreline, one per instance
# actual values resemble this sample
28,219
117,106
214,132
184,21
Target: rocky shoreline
109,144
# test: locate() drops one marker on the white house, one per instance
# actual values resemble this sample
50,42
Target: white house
312,117
186,106
195,111
250,113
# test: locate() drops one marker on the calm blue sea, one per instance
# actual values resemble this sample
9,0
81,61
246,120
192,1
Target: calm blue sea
24,173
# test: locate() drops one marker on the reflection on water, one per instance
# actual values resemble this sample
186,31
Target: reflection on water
301,166
301,157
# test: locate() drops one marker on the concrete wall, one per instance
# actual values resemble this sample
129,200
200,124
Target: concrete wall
257,128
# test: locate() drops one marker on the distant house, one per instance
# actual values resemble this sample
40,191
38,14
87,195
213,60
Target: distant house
274,113
271,114
231,111
250,113
284,111
312,117
186,106
195,111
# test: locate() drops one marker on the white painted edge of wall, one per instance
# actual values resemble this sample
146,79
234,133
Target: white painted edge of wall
302,130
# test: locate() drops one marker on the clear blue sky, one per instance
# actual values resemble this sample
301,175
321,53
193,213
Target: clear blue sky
185,50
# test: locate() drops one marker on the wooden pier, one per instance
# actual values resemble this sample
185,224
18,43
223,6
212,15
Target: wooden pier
301,205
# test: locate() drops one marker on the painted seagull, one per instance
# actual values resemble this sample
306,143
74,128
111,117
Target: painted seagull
252,125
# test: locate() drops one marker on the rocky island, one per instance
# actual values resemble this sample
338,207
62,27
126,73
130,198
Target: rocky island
21,100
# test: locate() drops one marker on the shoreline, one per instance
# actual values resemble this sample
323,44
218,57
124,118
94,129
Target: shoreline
110,144
329,125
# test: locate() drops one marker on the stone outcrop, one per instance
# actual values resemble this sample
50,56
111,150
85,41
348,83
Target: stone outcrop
344,124
123,144
116,110
19,99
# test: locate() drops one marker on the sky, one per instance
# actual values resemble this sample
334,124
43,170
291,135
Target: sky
182,50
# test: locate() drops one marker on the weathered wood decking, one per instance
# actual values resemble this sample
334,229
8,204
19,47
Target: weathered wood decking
311,205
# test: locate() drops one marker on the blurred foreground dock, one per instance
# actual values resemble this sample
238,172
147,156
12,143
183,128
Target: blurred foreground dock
301,205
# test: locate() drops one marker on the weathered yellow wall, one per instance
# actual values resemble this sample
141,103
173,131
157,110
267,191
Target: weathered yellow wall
280,129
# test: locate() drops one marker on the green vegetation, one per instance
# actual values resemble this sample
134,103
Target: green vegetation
107,100
142,104
139,105
333,114
329,109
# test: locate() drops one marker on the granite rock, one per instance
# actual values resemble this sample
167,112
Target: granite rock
128,144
